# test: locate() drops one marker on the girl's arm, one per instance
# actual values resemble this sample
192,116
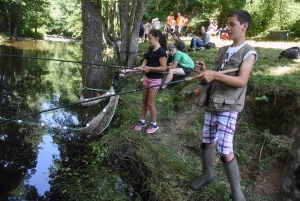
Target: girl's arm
173,65
136,69
161,68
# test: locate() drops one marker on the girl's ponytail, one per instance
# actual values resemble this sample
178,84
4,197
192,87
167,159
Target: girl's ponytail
162,39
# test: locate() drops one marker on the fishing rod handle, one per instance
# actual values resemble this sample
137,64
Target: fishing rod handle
223,72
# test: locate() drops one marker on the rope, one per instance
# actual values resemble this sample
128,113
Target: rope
82,87
94,100
99,123
86,101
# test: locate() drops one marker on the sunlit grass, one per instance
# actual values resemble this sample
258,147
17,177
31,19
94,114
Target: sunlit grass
170,161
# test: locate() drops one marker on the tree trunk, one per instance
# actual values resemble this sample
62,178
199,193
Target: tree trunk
106,14
130,29
112,14
290,188
16,21
8,20
124,10
117,17
93,76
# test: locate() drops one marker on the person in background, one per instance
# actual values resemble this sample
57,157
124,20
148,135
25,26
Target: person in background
169,22
182,64
223,33
211,25
155,62
214,29
225,99
153,23
147,28
179,22
185,25
179,44
200,42
142,31
156,23
173,26
118,40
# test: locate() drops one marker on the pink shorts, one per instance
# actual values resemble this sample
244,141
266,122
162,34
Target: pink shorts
149,82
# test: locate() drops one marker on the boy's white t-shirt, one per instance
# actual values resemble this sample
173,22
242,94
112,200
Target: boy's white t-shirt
232,50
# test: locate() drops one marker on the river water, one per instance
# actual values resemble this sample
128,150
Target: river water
31,82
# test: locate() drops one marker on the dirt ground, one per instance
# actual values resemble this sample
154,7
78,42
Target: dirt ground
267,181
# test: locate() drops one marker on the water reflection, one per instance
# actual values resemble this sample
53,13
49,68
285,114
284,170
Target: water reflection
27,149
40,178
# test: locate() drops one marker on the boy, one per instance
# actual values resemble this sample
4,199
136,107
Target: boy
180,45
225,98
182,65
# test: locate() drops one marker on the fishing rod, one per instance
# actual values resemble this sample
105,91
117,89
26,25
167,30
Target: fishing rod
108,95
70,61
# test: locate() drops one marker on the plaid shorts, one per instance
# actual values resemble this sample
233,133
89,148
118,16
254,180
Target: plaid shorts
220,127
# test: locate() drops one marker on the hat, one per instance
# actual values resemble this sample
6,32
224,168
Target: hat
171,47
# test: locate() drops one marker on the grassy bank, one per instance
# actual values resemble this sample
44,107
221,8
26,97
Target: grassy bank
162,165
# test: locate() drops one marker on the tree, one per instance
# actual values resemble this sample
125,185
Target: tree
29,14
37,14
131,13
12,13
67,17
92,75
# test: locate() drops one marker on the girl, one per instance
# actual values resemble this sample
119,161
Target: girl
200,42
155,61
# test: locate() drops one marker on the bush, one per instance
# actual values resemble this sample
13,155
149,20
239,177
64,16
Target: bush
30,33
296,27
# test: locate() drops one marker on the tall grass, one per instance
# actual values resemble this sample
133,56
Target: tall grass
161,166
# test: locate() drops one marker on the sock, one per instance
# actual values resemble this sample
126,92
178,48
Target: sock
142,120
153,123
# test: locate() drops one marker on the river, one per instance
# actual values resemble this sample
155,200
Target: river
32,82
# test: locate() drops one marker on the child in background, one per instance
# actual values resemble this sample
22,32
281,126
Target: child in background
147,28
155,61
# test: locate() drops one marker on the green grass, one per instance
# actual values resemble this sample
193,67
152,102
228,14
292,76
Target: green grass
162,166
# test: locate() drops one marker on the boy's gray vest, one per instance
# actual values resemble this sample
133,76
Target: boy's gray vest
225,98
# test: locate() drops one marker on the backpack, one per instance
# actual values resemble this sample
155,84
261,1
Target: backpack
210,45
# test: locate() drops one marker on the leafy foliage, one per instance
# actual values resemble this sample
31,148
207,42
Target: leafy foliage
64,17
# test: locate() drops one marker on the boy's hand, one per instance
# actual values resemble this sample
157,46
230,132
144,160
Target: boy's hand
206,76
200,67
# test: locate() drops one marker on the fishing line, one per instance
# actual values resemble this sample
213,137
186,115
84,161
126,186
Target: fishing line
70,61
108,95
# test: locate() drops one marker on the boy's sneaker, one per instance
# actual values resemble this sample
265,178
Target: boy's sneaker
139,126
152,128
